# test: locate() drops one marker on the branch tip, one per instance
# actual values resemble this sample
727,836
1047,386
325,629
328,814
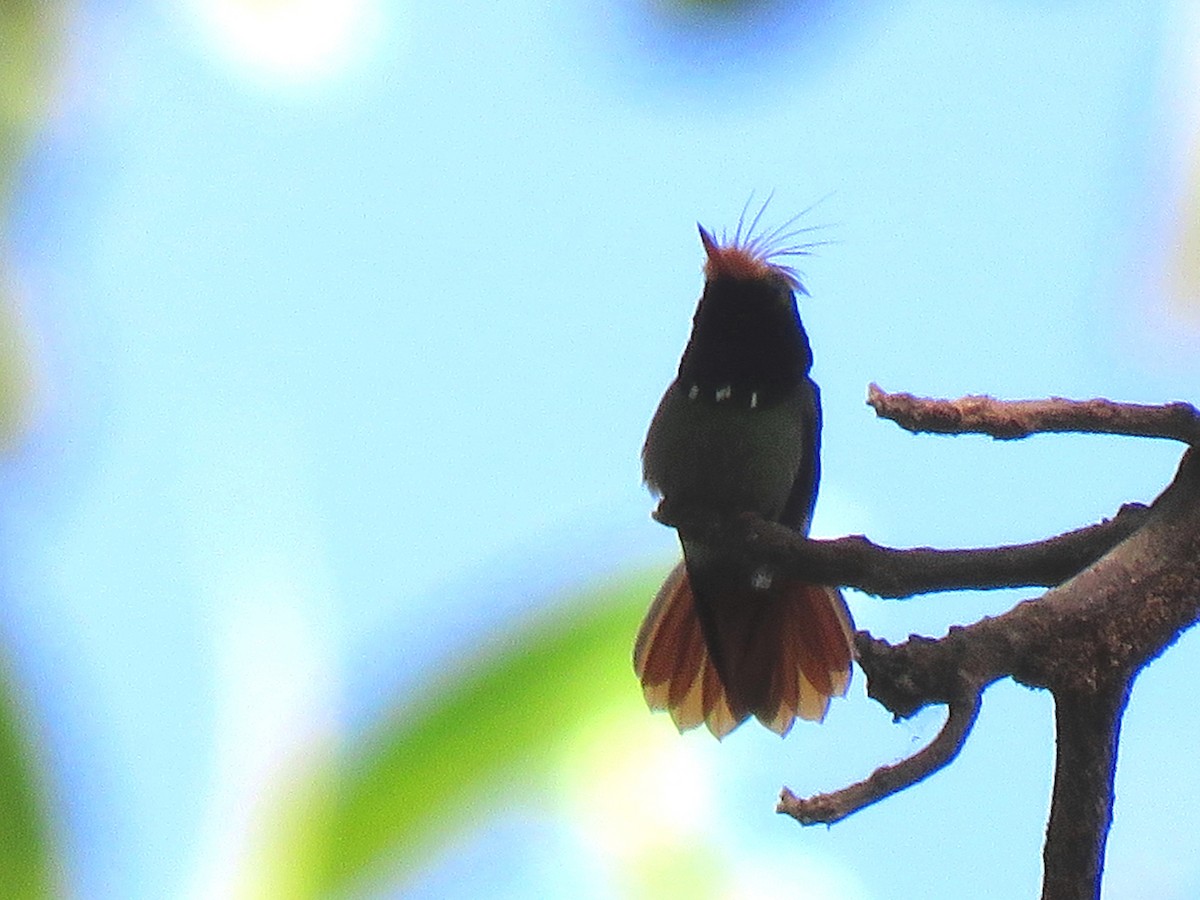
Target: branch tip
887,780
1013,419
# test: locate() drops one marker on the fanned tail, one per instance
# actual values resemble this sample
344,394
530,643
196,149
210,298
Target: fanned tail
778,654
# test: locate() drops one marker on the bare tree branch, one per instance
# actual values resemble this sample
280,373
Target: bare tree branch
1012,419
1087,727
1120,592
826,809
889,572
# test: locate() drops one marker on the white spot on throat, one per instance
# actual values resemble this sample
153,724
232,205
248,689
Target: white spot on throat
724,393
761,579
693,392
753,399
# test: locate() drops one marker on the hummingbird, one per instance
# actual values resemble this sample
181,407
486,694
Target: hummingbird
739,431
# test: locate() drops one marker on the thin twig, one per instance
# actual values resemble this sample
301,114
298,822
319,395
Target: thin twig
1012,419
889,572
887,780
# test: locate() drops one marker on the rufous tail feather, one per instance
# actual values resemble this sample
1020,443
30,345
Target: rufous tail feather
783,653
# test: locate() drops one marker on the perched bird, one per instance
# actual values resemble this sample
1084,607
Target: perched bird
739,431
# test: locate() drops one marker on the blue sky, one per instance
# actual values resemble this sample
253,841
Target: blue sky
345,355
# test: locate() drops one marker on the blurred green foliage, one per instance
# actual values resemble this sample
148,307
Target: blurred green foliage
27,857
493,728
30,32
29,37
30,40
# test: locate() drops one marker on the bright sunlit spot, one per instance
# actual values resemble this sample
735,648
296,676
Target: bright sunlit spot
289,43
279,692
641,784
644,794
810,878
644,801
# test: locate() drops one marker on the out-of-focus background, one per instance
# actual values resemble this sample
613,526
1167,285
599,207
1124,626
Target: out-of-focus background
329,333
